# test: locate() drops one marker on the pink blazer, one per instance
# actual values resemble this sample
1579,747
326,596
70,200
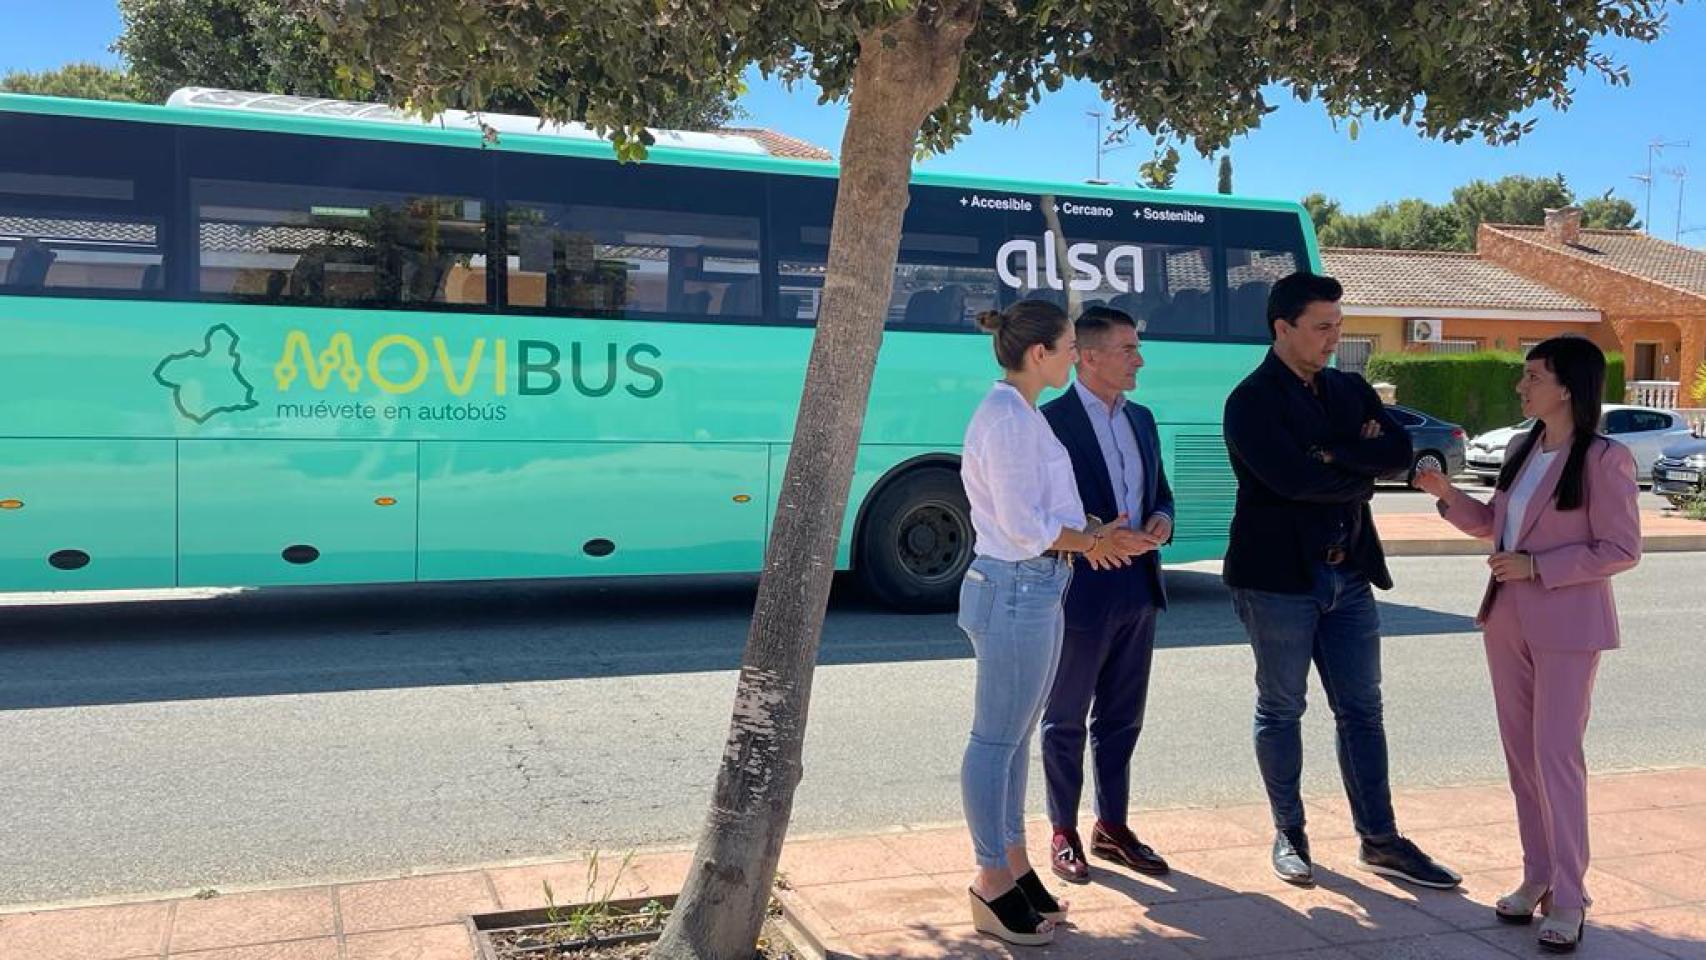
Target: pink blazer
1568,606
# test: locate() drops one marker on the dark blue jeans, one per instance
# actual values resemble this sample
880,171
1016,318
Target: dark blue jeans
1335,626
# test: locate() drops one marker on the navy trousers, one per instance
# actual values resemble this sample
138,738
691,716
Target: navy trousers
1103,677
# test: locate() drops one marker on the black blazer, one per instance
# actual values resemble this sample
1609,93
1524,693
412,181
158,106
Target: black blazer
1094,592
1291,504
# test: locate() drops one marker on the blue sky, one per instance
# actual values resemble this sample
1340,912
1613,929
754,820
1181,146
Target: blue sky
1598,144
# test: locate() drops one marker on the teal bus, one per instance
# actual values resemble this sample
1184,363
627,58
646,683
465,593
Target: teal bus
255,341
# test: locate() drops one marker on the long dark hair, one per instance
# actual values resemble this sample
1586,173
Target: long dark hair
1579,366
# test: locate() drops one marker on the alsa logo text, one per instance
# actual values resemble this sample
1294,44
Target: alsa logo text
1087,274
399,364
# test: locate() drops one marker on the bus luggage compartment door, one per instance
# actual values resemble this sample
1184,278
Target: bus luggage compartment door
269,512
86,514
491,510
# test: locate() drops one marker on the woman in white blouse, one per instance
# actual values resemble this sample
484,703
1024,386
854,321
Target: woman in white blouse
1028,519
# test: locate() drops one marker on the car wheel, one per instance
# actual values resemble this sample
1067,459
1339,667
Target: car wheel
916,542
1426,460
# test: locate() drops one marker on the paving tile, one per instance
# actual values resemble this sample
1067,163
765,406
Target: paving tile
1457,807
1466,849
1619,793
876,906
1445,946
249,918
441,942
1229,871
1596,943
1179,831
841,861
414,901
523,888
809,919
1236,927
1118,934
94,933
1617,886
1673,788
1678,931
1666,830
1470,906
931,941
934,851
1341,912
320,948
1254,817
657,875
1111,888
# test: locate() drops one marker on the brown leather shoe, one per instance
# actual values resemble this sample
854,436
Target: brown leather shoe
1066,856
1116,842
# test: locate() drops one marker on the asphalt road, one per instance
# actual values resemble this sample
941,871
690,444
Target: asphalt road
227,740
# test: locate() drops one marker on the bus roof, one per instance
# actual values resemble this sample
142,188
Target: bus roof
266,113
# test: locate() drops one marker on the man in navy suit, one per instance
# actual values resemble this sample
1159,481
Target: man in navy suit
1110,614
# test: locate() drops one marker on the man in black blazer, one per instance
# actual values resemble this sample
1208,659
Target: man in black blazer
1110,614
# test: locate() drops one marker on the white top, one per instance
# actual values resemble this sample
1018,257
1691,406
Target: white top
1018,478
1114,434
1522,491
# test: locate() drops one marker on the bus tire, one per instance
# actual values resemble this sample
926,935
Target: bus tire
916,542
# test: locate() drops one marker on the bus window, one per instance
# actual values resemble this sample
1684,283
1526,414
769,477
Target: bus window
944,273
295,243
1261,247
87,217
620,261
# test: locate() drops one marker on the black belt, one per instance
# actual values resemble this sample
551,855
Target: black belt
1333,556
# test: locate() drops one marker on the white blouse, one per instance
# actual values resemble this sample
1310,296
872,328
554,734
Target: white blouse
1018,478
1523,489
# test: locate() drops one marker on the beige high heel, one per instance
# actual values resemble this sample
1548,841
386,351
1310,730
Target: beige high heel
986,916
1557,937
1515,908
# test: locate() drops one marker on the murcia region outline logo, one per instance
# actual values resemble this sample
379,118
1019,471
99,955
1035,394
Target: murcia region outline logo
208,381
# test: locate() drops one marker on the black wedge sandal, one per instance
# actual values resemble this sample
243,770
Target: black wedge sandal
1041,900
1009,917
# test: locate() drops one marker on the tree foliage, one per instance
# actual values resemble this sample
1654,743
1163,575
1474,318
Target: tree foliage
917,74
85,81
1160,172
265,46
1418,225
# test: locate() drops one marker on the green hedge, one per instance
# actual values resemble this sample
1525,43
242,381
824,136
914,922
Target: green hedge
1477,390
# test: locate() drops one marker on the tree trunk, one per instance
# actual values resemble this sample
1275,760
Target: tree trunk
904,72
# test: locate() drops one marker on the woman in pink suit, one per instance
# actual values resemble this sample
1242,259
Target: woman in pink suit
1563,520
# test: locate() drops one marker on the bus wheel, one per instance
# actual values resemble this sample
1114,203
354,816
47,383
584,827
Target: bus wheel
916,542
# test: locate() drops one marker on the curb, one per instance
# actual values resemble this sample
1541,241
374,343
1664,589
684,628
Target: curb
1466,547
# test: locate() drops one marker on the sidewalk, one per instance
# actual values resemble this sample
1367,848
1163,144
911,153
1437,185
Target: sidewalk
900,894
1427,535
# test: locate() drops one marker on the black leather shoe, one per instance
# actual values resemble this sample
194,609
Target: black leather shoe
1397,857
1116,842
1291,858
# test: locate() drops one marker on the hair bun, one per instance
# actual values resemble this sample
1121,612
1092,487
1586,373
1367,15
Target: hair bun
990,321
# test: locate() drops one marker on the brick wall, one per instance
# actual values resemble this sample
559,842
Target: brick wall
1634,309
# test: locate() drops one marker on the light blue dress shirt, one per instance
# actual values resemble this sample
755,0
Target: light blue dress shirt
1114,434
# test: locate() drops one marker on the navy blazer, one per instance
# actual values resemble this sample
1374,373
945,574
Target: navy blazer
1093,592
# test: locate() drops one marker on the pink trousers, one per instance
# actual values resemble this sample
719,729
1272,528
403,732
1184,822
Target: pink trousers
1543,699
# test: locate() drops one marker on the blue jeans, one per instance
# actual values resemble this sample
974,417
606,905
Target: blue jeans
1336,626
1012,613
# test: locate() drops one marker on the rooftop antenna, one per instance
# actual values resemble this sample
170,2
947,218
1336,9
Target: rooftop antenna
1680,175
1655,146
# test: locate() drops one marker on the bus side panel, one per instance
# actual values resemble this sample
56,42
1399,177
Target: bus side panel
264,512
873,463
590,509
86,514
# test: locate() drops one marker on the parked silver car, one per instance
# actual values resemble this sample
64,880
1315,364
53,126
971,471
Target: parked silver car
1646,431
1679,474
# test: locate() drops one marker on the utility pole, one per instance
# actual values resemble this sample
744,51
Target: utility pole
1680,174
1655,146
